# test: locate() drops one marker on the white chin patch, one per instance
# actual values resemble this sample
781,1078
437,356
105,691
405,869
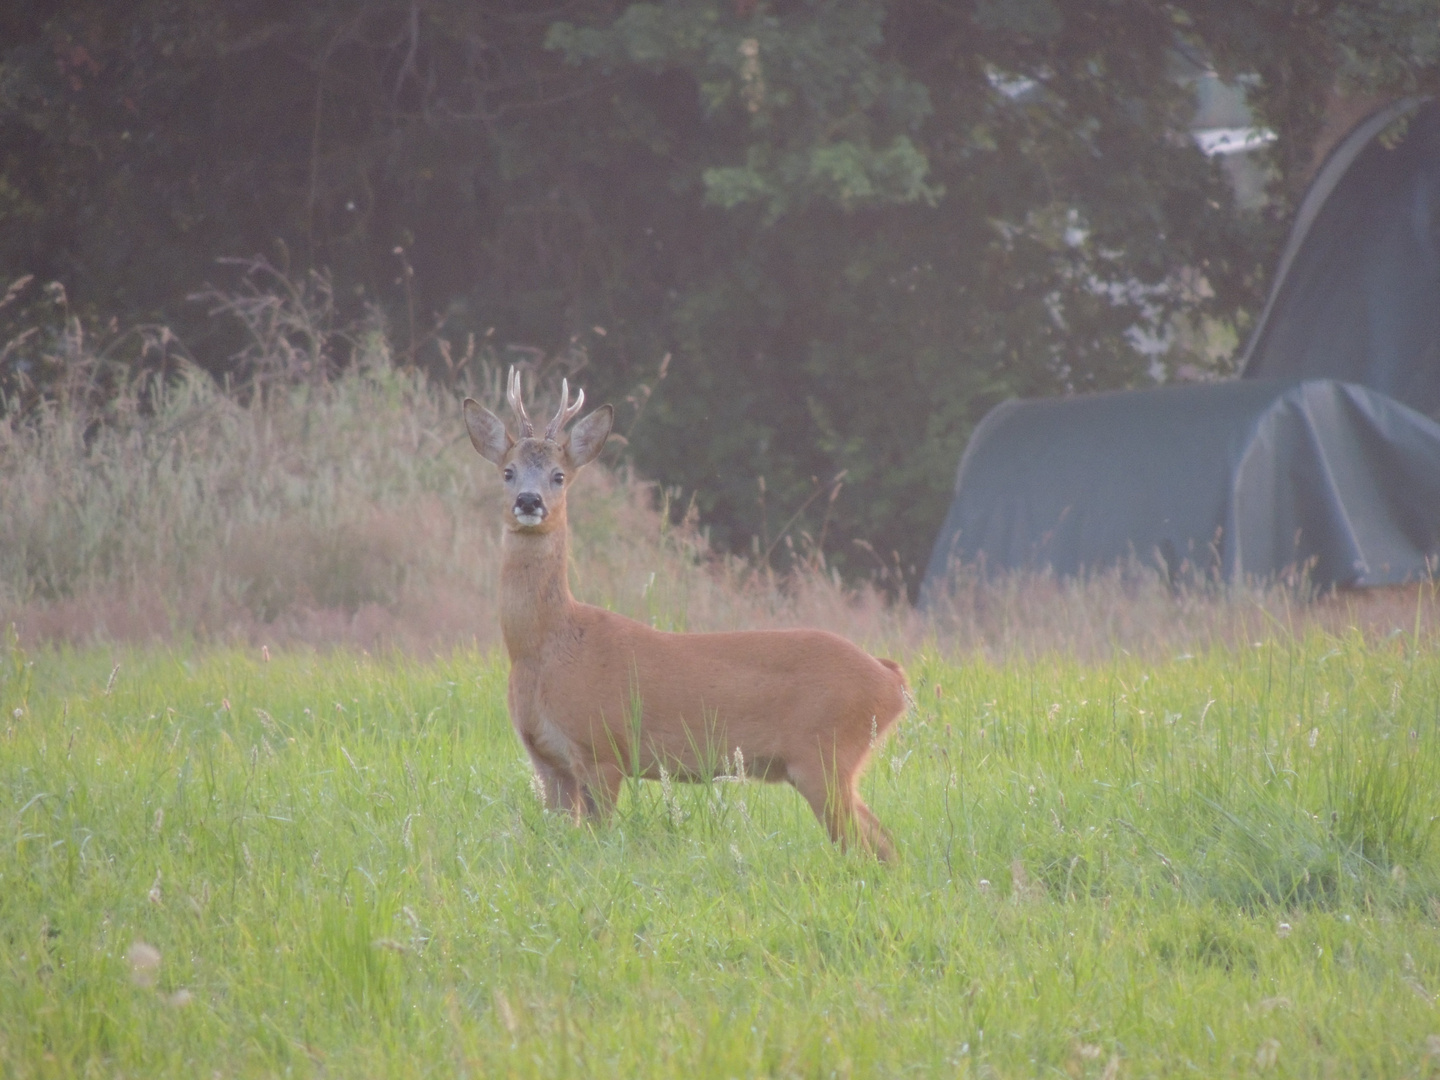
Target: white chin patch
529,519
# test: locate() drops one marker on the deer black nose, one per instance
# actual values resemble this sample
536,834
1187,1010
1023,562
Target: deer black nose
529,504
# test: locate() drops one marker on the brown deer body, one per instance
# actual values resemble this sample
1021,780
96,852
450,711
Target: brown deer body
595,696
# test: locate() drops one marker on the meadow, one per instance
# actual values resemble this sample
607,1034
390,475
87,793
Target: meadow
264,815
227,863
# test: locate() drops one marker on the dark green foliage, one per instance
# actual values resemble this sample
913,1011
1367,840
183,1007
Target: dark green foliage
854,226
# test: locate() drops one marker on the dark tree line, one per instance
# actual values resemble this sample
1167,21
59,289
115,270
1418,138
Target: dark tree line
853,226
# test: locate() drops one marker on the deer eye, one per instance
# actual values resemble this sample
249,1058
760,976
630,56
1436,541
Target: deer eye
509,473
558,479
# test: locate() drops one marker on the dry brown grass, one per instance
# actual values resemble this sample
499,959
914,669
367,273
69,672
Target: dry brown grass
349,511
353,511
1032,616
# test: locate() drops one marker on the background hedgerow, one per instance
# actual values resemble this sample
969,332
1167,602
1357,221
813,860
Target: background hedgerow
853,226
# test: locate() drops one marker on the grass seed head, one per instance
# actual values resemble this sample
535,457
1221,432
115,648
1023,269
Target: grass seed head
144,961
667,797
506,1014
1267,1054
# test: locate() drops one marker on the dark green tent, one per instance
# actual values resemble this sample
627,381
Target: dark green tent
1238,479
1357,293
1321,456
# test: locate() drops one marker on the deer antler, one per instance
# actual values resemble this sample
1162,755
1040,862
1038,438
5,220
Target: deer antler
566,412
512,395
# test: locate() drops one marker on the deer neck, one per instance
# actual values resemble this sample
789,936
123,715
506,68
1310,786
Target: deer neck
535,600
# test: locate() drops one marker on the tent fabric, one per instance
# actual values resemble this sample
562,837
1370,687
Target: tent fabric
1357,294
1323,455
1242,479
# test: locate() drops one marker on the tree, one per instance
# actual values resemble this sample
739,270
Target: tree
853,226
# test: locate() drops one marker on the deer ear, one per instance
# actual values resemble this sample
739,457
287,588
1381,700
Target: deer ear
487,432
587,438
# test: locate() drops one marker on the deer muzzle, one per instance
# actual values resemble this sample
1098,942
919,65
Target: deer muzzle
529,508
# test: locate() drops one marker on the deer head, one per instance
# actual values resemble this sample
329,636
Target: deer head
537,471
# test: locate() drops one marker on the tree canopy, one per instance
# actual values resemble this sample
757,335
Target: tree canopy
838,230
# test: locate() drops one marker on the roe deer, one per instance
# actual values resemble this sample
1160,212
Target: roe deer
594,695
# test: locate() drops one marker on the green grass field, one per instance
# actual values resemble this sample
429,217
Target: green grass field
333,864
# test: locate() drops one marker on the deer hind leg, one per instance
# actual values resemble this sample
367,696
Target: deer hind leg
559,788
876,839
599,783
831,794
